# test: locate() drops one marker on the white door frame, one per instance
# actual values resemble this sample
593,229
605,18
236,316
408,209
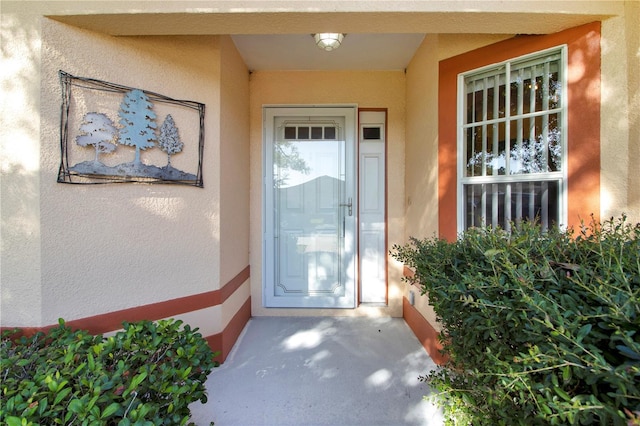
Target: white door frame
349,274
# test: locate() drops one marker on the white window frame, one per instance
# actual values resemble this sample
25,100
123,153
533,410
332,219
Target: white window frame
558,176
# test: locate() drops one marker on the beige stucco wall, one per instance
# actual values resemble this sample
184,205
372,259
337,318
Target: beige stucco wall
421,162
128,245
20,252
234,166
620,123
110,247
233,176
367,89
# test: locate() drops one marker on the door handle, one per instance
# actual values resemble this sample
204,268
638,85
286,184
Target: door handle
349,204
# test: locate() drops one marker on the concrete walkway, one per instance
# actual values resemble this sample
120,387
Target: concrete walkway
321,371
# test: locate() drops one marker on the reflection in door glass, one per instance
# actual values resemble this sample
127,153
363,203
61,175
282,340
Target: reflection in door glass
309,186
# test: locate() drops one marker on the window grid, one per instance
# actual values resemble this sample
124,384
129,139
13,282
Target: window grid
511,118
315,132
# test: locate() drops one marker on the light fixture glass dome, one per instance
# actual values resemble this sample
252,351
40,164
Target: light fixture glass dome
328,41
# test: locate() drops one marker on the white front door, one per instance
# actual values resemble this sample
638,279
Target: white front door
309,207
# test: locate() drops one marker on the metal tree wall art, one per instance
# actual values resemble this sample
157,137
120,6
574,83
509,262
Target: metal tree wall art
138,122
134,150
169,139
98,130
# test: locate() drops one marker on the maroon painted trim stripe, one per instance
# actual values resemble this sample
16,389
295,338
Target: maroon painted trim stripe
224,341
112,321
229,288
426,334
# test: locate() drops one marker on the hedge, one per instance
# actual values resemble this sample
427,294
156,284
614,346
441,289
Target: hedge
147,374
540,326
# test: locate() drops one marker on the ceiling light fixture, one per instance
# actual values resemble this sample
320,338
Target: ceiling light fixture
328,41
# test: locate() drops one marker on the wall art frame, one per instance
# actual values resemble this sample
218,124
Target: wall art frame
110,133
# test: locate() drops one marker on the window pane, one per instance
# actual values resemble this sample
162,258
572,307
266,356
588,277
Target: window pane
555,143
303,133
469,108
473,100
486,150
512,129
517,93
499,204
555,90
537,145
475,151
529,90
502,97
495,156
492,100
536,86
371,133
502,162
486,98
540,96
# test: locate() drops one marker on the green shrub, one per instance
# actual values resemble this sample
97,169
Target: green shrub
147,374
541,327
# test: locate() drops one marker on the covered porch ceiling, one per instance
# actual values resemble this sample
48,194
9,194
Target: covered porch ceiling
381,35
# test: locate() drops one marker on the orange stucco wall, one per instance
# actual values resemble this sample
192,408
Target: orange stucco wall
583,118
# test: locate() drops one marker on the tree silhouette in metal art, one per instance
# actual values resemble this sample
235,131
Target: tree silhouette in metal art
98,130
138,122
169,140
137,127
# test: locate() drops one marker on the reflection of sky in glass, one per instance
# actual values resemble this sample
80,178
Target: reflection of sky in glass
322,158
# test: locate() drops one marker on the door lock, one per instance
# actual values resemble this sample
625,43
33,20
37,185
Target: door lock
350,205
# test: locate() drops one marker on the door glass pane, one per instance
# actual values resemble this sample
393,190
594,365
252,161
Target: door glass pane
289,132
309,186
329,132
316,133
371,133
303,133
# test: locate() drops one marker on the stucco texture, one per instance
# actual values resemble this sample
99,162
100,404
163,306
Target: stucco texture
128,245
234,168
620,123
20,251
110,247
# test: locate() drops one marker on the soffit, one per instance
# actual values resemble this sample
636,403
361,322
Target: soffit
298,52
380,34
469,22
